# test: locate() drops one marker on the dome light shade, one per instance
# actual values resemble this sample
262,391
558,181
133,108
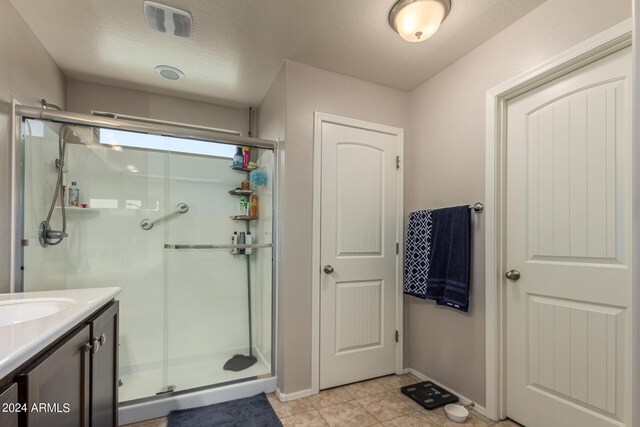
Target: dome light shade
169,72
417,20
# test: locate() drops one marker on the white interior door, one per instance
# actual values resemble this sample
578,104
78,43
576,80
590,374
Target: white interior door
569,236
359,287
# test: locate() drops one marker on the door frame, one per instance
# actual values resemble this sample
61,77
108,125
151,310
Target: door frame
319,119
616,38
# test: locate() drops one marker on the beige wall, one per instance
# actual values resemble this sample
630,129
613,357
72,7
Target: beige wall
83,97
447,159
308,89
27,74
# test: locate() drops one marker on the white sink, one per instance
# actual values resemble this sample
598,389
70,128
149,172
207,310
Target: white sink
24,310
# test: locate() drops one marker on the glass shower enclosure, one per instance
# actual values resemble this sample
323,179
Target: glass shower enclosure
186,233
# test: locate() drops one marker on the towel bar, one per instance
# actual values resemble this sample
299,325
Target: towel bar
477,207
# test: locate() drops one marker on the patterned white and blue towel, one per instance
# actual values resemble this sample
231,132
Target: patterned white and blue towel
438,257
418,253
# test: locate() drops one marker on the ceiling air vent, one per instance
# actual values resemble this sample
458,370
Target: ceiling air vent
168,19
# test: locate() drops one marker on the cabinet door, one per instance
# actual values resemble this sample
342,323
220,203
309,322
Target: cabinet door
56,388
104,368
9,406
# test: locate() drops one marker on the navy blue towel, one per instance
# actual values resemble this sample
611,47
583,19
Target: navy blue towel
450,257
418,251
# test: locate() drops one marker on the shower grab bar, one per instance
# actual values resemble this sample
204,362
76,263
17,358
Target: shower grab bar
147,224
253,246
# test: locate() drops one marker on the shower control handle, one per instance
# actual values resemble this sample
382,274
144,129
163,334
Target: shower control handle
328,269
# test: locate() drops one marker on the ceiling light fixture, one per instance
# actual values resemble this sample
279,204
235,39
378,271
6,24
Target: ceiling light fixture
169,73
417,20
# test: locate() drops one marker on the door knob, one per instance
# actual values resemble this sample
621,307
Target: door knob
512,275
328,269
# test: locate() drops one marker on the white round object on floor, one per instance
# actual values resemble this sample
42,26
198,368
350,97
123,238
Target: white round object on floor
456,413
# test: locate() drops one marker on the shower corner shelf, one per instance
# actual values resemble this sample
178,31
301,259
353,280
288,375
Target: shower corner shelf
236,254
242,169
74,209
239,192
243,218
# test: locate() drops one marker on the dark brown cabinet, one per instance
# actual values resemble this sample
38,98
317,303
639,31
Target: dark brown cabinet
104,368
9,406
73,383
55,390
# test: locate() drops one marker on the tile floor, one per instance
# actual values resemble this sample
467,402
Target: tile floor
375,402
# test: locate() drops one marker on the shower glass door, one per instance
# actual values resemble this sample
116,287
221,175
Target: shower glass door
218,298
154,218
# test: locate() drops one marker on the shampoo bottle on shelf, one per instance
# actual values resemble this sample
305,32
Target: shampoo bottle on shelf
248,240
238,159
253,206
234,241
74,195
241,241
245,158
243,207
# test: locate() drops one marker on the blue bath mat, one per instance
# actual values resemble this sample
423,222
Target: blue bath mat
254,411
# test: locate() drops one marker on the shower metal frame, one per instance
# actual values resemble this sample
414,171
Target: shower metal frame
169,129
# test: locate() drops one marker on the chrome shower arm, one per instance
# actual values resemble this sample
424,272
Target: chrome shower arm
147,224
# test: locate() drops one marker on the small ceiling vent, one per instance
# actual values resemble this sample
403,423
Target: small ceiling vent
168,19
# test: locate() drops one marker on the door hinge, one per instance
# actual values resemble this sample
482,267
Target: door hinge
397,336
397,248
397,162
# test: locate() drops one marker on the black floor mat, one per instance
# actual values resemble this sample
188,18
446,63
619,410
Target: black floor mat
429,395
239,362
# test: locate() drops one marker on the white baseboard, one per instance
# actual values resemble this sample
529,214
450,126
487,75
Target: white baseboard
288,397
464,400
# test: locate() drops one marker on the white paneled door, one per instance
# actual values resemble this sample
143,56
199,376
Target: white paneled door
359,289
569,237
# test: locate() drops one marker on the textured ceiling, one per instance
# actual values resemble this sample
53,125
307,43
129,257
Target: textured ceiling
238,46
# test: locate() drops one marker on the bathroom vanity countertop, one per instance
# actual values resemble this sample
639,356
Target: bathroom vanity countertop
23,340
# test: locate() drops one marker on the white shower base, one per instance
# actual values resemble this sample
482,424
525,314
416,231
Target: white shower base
143,384
137,412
